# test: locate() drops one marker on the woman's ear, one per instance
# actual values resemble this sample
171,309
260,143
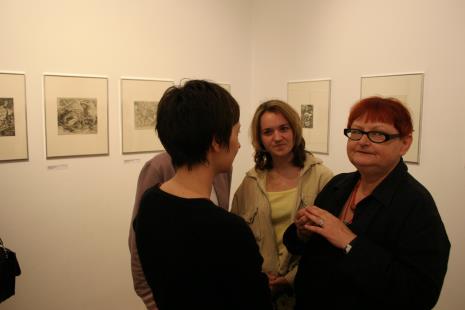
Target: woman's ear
406,143
215,146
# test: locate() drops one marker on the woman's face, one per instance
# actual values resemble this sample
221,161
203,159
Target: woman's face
372,157
234,144
276,134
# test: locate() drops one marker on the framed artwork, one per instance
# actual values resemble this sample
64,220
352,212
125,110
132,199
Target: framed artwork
408,89
311,100
139,101
76,115
13,129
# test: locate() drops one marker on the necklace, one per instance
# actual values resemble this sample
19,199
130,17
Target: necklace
349,208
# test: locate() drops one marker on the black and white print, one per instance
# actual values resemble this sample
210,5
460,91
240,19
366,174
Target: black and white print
7,117
145,114
77,116
307,115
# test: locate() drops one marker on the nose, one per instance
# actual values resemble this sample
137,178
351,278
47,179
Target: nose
364,140
276,135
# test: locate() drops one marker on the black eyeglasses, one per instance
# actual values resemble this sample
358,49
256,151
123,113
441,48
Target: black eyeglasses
373,136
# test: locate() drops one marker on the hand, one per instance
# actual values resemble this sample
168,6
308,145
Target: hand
277,283
301,219
328,226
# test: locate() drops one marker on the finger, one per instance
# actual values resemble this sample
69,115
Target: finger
304,231
316,220
301,217
305,218
301,210
314,229
316,211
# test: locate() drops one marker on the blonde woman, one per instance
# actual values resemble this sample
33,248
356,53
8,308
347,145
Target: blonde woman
285,179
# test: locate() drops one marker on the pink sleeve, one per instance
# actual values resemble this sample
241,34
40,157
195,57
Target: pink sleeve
157,170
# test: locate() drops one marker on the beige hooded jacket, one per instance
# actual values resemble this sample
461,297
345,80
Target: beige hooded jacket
251,203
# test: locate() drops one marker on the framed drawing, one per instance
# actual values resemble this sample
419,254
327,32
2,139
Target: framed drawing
139,100
76,115
408,88
13,129
311,99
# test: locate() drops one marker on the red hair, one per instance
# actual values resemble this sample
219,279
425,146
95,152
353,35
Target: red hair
385,110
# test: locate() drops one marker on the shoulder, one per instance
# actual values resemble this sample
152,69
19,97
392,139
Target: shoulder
236,228
343,177
313,162
149,196
341,181
416,187
314,166
158,168
400,186
414,208
162,161
226,222
252,177
417,194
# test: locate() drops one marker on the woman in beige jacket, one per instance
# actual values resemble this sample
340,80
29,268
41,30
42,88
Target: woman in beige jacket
285,178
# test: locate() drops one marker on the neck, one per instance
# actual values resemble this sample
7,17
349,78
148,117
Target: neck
283,175
283,163
369,180
194,183
367,185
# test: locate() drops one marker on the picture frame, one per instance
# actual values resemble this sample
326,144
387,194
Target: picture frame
76,115
408,89
13,119
312,99
139,99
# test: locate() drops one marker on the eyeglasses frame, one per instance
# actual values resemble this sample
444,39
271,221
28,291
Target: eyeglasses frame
367,133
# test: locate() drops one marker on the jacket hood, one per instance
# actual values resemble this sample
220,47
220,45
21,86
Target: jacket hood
310,161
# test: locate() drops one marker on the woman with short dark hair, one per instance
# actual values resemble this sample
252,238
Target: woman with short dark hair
195,255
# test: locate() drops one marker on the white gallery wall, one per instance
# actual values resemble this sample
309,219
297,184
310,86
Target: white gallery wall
68,218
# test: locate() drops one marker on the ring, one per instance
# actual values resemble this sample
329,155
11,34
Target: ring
321,223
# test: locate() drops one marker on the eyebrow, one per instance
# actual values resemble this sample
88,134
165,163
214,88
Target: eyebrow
276,127
375,128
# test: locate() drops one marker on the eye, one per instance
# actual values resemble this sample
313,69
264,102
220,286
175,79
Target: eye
377,134
354,133
284,128
267,132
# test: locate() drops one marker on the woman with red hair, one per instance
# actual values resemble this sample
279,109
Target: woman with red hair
374,239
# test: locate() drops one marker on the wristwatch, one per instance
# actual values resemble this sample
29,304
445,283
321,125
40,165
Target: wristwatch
348,246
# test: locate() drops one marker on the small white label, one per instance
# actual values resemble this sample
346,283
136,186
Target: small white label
58,167
132,161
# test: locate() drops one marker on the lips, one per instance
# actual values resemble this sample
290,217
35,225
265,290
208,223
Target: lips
364,153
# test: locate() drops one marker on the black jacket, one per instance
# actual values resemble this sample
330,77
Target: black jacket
398,260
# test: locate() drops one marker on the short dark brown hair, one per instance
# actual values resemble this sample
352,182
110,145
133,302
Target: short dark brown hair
190,116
